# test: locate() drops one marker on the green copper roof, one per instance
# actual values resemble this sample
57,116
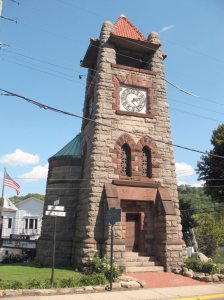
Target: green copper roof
72,149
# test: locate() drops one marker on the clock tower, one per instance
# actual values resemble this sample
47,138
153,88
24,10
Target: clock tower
127,151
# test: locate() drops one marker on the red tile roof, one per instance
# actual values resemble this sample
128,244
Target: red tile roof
123,27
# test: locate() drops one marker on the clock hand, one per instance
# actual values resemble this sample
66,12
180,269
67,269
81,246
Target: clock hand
135,101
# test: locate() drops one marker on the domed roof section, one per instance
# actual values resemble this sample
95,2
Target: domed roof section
73,149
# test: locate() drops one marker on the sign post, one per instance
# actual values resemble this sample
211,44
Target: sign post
111,256
113,215
54,211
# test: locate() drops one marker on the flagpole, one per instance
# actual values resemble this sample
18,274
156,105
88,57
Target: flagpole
1,206
3,188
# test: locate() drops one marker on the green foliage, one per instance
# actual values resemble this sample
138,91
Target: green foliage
39,278
93,279
14,284
102,265
37,284
209,233
212,167
14,258
83,280
208,267
17,199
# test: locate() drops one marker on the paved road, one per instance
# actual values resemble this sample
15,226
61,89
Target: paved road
197,292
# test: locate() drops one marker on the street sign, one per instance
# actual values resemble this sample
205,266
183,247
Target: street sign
55,213
113,215
58,208
56,202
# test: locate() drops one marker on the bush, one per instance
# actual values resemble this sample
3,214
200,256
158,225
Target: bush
14,258
196,265
102,265
209,234
14,285
38,284
93,279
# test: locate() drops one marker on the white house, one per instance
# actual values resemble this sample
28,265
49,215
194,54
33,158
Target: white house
20,226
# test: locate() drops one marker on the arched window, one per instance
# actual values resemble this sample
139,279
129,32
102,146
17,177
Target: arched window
146,162
126,160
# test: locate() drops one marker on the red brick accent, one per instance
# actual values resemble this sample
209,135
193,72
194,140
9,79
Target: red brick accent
147,141
123,139
142,209
133,80
136,157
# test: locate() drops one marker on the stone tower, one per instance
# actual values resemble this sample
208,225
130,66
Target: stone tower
127,157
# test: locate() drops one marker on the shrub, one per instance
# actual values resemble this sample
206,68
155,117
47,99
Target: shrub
67,282
198,266
93,279
102,265
38,284
14,258
14,285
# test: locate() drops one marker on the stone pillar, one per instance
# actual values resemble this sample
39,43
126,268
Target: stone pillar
89,234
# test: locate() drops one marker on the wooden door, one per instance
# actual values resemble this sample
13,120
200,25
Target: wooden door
132,232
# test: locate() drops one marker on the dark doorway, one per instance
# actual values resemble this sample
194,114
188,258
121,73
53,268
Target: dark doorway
132,232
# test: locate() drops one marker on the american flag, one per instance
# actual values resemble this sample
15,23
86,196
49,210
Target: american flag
8,181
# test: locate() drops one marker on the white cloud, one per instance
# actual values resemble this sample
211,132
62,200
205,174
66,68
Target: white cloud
19,158
36,174
198,184
165,28
184,170
179,182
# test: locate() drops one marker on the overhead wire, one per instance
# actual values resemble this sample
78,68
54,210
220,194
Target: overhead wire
45,106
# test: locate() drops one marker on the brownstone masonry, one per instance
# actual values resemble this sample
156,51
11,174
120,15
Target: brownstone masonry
124,159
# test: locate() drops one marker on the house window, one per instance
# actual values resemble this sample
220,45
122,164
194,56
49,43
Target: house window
126,160
9,222
31,223
35,223
26,223
146,162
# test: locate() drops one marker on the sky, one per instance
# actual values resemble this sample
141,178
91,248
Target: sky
40,59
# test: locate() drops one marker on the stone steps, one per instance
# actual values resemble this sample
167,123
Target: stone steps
139,262
144,269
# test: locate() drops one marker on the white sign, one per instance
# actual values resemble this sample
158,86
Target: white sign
56,202
52,207
18,244
55,213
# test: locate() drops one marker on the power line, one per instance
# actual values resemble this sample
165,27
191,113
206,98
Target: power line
39,60
45,106
196,106
195,115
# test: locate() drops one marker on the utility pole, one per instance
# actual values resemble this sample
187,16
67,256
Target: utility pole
1,7
6,18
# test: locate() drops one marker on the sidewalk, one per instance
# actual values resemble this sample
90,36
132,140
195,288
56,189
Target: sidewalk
165,279
141,294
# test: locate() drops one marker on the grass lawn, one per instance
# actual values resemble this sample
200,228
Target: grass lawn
28,271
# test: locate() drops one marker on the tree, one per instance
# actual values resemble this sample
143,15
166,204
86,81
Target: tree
211,168
209,233
192,201
16,199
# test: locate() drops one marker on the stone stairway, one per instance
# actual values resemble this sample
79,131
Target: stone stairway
138,262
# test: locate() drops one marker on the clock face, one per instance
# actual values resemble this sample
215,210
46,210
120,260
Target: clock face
133,99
